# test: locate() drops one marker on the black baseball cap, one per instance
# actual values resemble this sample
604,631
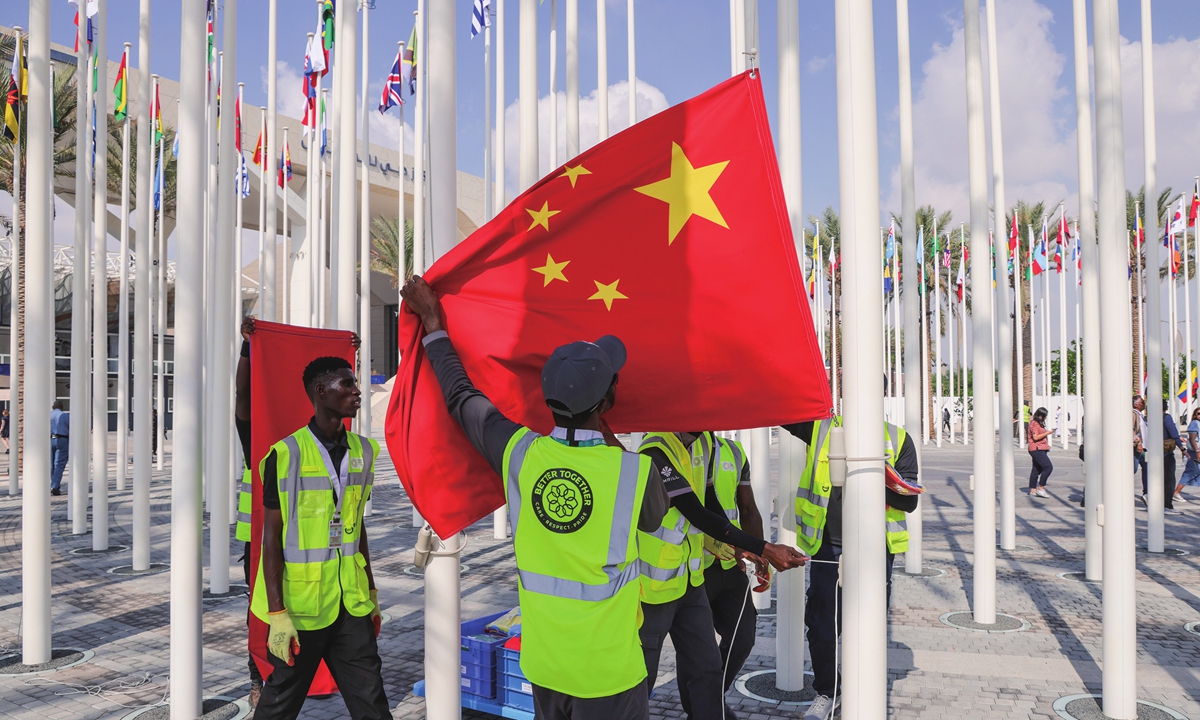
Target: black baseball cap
577,375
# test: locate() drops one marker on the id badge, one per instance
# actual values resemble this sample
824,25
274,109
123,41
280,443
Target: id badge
335,533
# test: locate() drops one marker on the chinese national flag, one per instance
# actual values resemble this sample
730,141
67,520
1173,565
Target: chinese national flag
672,235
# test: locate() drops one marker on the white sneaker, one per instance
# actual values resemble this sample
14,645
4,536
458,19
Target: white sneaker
1171,511
1042,493
1178,499
822,708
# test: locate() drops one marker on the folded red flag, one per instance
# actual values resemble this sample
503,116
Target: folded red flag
278,408
672,235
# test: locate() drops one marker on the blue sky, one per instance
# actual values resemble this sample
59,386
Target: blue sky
682,53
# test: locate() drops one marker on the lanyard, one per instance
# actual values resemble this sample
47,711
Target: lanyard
337,479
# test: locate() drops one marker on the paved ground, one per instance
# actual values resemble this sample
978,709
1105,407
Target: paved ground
934,671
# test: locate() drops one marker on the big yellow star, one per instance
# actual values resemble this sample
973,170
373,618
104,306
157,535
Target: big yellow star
552,271
608,293
686,191
542,217
573,173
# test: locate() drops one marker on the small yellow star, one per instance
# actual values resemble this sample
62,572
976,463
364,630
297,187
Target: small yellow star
552,271
573,173
608,293
542,217
686,191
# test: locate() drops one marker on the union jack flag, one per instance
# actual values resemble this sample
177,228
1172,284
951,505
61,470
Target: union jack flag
393,87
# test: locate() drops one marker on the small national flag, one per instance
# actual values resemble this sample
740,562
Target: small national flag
393,87
158,187
1058,257
408,69
120,89
1194,210
259,155
285,165
1013,241
887,279
946,253
1140,234
18,91
960,282
313,56
324,128
481,16
156,116
889,251
175,144
237,122
1041,263
920,245
1182,393
243,176
1178,222
327,11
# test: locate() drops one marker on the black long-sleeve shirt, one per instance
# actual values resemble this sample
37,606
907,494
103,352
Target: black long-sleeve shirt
905,464
490,431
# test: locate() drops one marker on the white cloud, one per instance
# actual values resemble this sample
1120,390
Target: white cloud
818,64
650,101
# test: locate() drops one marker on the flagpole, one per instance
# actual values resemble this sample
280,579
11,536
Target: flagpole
926,398
310,195
160,389
937,325
631,46
488,173
1193,299
1078,342
364,247
865,635
80,330
572,48
270,234
322,246
1004,335
1018,308
14,323
1062,336
962,340
344,154
1034,331
285,288
950,325
123,303
528,94
1187,323
499,201
601,71
554,161
1046,374
142,302
100,296
262,214
419,146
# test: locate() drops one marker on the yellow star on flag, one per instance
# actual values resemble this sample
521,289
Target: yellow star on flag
608,293
686,191
552,271
573,173
542,217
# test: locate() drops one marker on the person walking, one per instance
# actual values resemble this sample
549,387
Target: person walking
1191,469
60,428
946,418
1141,434
316,483
1039,452
1171,443
4,423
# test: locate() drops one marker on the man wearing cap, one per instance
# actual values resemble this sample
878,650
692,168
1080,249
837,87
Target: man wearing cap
576,504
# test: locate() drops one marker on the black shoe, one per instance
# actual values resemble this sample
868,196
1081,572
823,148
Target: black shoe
56,492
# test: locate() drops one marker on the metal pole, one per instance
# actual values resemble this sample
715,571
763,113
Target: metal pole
1120,607
937,337
913,398
601,70
984,587
572,47
364,247
39,340
1019,335
498,148
266,269
14,323
631,46
494,154
80,329
142,373
528,95
123,310
489,203
285,287
1062,345
1152,293
186,529
160,390
554,161
864,639
212,475
100,296
344,152
419,145
1008,531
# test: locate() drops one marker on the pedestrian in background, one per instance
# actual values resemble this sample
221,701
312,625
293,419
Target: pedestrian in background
1171,443
1039,452
4,428
1191,470
1141,433
60,427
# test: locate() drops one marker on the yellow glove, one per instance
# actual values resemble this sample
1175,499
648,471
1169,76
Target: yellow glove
282,636
718,549
376,613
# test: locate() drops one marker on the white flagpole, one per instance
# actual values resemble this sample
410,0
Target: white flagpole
631,46
39,340
554,161
937,338
572,47
962,317
262,217
123,306
100,293
270,168
1078,347
1187,324
1062,342
285,287
951,322
528,95
498,163
142,373
160,392
489,205
80,329
15,418
1019,338
419,170
308,313
1119,619
1034,331
1153,294
601,70
364,248
186,531
347,170
322,234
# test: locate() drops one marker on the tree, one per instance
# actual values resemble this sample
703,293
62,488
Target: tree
385,253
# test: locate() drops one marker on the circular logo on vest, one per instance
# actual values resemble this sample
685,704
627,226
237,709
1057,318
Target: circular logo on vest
562,500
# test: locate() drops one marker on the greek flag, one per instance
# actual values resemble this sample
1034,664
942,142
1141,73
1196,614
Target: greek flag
243,177
481,16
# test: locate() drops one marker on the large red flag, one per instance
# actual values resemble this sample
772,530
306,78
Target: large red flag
672,235
278,408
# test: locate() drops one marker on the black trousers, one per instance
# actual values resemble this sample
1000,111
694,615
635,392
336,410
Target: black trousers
632,704
255,675
727,596
1042,467
689,622
823,616
1169,480
349,650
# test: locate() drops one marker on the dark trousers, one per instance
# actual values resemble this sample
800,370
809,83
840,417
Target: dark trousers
349,650
731,608
632,704
255,675
1168,480
1139,460
1042,467
58,452
689,622
823,616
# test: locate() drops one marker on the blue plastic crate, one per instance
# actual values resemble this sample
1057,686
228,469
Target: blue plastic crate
509,662
476,647
517,699
479,672
480,687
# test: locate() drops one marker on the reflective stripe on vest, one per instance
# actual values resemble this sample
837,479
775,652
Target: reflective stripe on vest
724,476
245,506
672,556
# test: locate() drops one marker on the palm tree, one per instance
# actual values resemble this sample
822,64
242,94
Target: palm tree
115,140
385,254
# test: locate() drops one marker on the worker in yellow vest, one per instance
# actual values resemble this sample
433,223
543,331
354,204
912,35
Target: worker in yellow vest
314,585
819,533
725,580
576,503
674,602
